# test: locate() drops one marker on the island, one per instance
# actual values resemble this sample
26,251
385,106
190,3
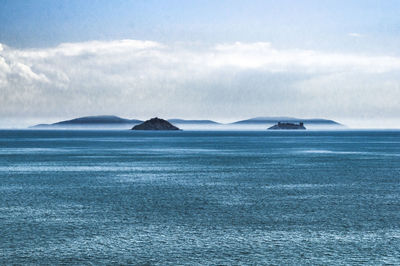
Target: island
155,124
115,122
193,122
273,120
288,126
99,121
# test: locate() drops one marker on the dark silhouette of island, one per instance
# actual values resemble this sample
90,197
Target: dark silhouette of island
274,120
155,124
288,126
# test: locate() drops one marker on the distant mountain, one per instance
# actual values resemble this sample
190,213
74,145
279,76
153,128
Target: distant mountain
92,121
183,121
101,119
273,120
257,123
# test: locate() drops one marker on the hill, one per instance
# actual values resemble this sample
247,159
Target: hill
274,120
92,121
183,121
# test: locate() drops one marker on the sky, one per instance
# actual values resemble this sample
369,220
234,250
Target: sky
221,60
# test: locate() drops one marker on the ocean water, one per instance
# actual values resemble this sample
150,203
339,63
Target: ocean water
199,198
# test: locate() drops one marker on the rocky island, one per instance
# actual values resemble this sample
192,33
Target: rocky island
288,126
155,124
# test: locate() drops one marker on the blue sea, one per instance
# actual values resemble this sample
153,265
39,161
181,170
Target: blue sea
199,197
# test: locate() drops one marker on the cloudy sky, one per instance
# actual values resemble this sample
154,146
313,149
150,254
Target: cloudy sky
222,60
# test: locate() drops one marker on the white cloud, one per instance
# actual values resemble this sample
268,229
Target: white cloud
263,55
137,78
355,35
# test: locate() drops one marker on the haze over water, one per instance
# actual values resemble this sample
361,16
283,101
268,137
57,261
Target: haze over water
189,197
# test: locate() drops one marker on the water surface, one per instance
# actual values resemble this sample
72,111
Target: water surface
168,198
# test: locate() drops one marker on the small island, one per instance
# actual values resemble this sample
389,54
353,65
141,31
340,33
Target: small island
155,124
288,126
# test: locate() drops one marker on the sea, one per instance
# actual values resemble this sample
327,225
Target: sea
105,197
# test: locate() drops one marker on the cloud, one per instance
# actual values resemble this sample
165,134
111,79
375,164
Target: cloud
137,78
264,56
355,35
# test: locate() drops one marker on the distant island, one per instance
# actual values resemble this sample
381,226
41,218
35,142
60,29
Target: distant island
274,120
112,121
155,124
288,126
183,121
92,121
257,123
260,123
